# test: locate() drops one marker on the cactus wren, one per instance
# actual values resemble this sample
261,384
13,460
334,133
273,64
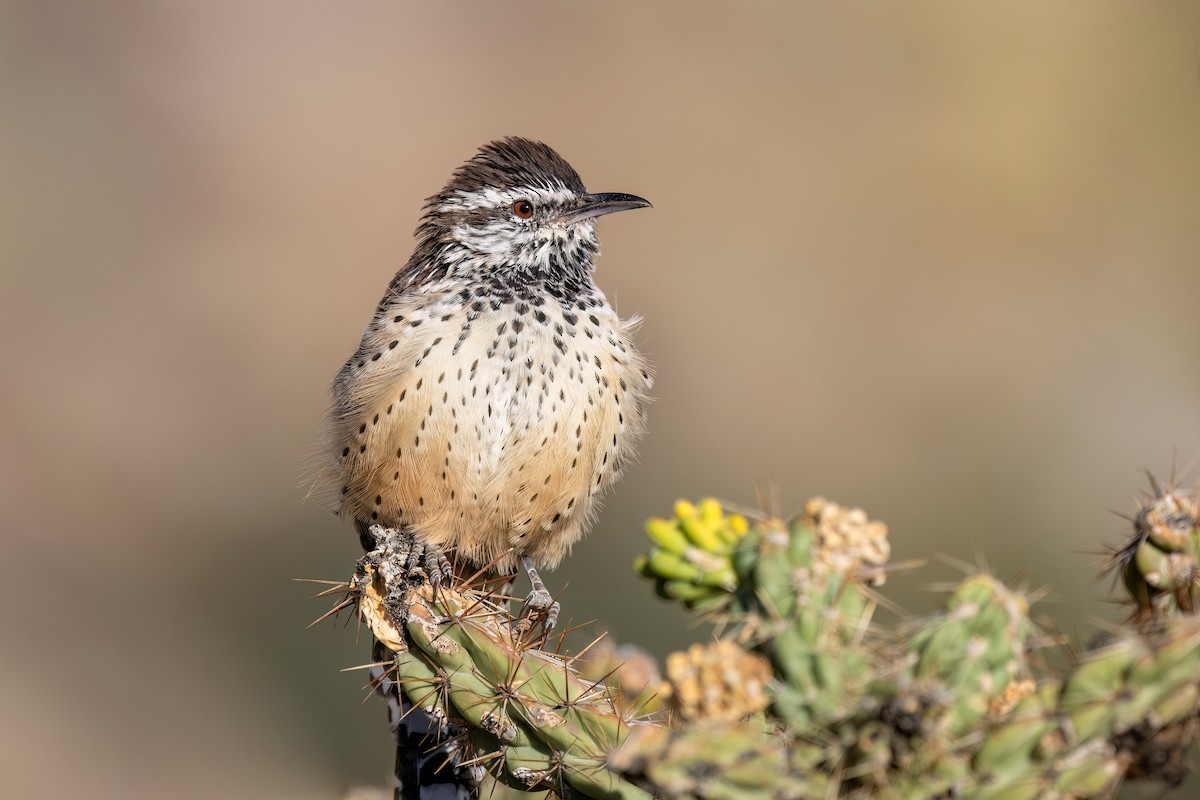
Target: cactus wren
496,394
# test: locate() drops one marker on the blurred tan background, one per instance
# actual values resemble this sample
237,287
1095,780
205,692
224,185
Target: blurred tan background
941,260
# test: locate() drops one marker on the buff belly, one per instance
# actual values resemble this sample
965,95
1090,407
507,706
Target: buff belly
492,433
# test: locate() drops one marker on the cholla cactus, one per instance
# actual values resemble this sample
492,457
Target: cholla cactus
805,694
1159,564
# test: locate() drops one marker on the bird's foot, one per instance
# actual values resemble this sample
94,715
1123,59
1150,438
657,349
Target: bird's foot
539,604
427,563
411,560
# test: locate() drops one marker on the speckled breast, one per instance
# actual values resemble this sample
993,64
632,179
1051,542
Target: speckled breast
487,425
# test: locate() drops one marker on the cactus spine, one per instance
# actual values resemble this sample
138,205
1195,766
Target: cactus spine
805,694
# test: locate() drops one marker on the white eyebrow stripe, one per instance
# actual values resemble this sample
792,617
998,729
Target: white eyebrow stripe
490,197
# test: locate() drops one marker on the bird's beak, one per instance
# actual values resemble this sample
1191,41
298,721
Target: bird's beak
595,205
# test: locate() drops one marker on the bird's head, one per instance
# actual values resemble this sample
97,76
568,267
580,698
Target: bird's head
519,208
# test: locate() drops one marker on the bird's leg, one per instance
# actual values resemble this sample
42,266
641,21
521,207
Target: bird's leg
539,600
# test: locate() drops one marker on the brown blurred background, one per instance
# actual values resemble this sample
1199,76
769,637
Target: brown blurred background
941,260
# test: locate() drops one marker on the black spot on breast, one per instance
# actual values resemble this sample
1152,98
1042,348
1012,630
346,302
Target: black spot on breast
392,345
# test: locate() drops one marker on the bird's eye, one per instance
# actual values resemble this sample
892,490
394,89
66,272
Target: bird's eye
523,209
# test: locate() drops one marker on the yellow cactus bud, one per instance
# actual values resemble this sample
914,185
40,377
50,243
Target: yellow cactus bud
670,566
666,534
702,534
710,510
685,509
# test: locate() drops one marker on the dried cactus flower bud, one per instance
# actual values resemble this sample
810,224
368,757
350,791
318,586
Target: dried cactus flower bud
848,541
717,682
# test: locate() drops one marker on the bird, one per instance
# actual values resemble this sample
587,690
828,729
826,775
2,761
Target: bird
496,395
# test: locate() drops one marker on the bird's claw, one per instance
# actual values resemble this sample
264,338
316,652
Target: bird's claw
539,603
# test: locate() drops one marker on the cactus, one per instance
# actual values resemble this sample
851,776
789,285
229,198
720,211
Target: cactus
805,694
